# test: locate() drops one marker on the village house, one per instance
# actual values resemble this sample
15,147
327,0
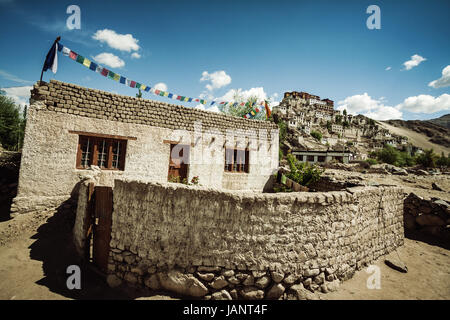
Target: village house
72,130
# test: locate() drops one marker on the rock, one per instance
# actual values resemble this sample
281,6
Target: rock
258,274
208,269
234,280
249,281
234,294
319,279
228,273
314,287
329,271
307,282
422,172
221,295
151,270
396,265
430,220
131,277
323,288
205,276
311,272
262,282
435,186
277,277
251,293
152,282
113,280
290,279
333,285
184,284
300,292
138,271
275,292
219,283
241,276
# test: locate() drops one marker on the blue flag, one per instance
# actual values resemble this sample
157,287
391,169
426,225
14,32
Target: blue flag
51,60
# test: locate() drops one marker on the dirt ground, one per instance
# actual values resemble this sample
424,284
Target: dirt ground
35,250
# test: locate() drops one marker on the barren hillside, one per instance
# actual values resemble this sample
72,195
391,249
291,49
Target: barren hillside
422,134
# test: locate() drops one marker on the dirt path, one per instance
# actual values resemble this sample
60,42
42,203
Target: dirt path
23,275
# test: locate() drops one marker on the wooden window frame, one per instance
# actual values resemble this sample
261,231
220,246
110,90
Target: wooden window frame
94,140
234,166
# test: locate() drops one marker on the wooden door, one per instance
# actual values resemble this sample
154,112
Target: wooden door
178,162
102,226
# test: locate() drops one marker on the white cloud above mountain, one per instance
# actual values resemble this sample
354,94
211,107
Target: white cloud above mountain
122,42
443,81
109,60
425,103
368,106
413,62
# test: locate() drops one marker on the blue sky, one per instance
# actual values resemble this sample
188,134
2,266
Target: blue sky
260,47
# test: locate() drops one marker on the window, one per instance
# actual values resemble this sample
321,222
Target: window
107,153
236,160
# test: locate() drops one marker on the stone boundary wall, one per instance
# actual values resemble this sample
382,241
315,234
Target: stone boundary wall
208,243
429,217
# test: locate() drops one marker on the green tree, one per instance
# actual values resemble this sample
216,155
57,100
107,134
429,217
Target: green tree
316,135
344,112
338,119
427,159
388,155
303,172
443,161
12,124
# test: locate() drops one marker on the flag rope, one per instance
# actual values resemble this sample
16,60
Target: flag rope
134,84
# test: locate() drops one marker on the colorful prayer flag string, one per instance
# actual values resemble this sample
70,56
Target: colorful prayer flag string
133,84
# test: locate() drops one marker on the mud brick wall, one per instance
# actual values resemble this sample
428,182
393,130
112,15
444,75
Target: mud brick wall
163,233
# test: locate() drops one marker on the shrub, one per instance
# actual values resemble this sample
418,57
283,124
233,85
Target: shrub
443,161
371,161
427,159
316,135
303,172
388,155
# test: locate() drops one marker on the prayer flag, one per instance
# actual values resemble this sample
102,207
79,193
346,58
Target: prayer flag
51,60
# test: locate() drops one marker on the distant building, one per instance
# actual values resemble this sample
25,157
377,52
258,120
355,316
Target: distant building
321,156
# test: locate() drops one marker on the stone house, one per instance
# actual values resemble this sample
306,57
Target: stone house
72,130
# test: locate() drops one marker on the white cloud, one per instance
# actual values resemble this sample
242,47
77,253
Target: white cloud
368,106
122,42
161,86
243,95
443,81
135,55
425,103
11,77
109,59
218,79
388,68
20,95
384,113
414,62
211,109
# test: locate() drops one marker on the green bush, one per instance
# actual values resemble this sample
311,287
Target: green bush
388,155
303,172
443,161
427,159
316,135
371,161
